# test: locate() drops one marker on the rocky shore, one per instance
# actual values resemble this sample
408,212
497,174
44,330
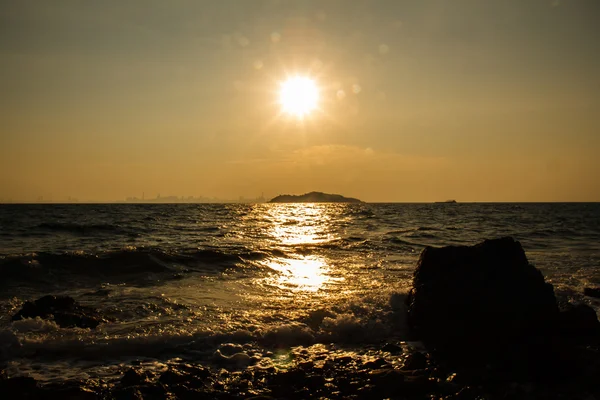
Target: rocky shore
485,323
392,370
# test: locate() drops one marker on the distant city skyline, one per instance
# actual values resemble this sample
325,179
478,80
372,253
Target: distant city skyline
144,199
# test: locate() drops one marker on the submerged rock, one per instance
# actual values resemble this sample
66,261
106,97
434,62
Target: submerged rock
64,310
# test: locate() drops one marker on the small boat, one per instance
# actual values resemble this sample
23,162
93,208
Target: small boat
446,202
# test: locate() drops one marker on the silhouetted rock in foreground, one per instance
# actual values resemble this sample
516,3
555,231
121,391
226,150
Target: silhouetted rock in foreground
314,197
485,305
63,310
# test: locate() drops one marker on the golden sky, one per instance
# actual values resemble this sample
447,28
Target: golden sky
419,100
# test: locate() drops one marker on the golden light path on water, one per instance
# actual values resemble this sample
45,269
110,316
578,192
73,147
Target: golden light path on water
298,225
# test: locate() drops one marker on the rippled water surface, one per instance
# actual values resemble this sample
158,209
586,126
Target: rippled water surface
180,280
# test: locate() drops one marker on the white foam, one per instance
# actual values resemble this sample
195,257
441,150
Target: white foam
288,335
34,325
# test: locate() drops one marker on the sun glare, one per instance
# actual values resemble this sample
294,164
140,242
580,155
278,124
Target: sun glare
299,96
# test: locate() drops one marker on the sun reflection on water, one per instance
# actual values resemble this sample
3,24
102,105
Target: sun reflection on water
308,273
293,227
296,224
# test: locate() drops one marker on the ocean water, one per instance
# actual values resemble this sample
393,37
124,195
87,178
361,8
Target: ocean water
180,281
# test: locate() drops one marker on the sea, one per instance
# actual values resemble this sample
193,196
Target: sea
180,281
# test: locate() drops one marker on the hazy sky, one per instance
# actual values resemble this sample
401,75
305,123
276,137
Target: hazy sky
423,100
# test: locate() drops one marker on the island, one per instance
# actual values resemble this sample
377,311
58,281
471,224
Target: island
314,197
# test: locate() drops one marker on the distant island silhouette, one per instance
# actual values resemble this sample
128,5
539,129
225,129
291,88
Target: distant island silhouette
314,197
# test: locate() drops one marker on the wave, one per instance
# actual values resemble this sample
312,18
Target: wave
133,265
369,323
562,233
139,266
80,229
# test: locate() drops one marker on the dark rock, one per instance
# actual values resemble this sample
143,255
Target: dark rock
386,377
343,359
128,393
392,348
68,391
415,360
19,387
314,382
592,292
385,383
131,377
578,320
290,378
170,377
150,392
375,364
173,376
183,392
63,309
196,370
481,303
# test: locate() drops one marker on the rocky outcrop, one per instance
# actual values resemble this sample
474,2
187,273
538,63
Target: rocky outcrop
486,305
314,197
64,310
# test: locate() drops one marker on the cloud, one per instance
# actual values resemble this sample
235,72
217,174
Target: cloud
348,157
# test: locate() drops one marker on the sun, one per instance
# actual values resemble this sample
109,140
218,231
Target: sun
299,96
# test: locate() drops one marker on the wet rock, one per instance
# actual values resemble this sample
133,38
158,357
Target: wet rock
288,378
376,364
68,391
229,349
156,391
466,393
196,370
592,292
343,360
392,348
386,377
306,365
578,320
170,377
65,311
481,303
131,377
182,392
127,393
415,360
237,360
384,383
19,387
314,382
